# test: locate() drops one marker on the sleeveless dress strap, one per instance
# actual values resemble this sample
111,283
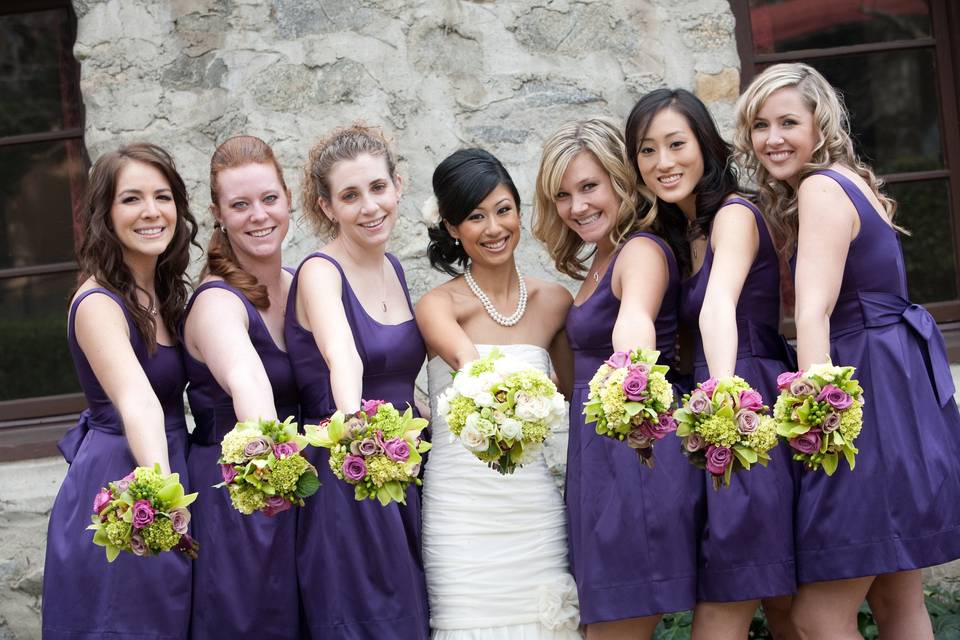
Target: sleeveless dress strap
765,237
860,201
252,314
71,320
400,276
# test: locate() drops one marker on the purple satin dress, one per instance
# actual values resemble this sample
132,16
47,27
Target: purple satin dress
84,596
746,548
360,571
633,530
900,508
245,578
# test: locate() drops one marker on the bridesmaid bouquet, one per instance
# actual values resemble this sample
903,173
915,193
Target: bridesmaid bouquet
725,427
501,409
263,469
143,513
820,413
377,449
631,400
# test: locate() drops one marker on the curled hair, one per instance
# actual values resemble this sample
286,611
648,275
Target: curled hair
601,137
345,143
834,144
460,183
719,178
221,259
100,254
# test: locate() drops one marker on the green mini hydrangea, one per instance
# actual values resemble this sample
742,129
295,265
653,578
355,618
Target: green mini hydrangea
118,532
146,483
612,397
381,470
531,382
719,431
781,410
460,408
287,472
231,449
483,365
535,431
851,421
246,499
765,437
660,390
388,420
159,535
599,378
337,456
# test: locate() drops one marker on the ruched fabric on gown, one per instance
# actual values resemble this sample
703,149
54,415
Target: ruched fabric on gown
494,546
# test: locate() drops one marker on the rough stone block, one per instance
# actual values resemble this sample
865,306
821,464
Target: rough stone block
723,86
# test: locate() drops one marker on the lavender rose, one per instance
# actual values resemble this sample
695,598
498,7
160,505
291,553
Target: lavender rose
831,422
709,386
808,443
370,407
275,505
785,379
124,483
694,442
634,384
801,387
101,500
718,459
142,514
618,360
699,402
368,447
747,421
659,429
397,449
835,397
285,449
229,472
751,400
137,545
180,519
257,447
354,468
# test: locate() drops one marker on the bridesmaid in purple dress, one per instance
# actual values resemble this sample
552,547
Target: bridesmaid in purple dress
245,579
730,303
865,532
351,335
121,331
633,530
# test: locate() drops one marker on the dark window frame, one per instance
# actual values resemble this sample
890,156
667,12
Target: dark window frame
945,41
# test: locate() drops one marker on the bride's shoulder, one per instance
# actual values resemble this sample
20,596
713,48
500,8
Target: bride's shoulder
439,298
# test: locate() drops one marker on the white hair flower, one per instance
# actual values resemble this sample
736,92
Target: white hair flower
430,211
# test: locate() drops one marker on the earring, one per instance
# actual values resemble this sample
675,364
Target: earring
456,242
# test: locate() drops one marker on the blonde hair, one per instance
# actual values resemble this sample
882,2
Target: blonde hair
601,137
834,144
344,143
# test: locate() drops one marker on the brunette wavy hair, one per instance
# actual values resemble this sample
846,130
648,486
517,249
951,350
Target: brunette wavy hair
100,253
221,259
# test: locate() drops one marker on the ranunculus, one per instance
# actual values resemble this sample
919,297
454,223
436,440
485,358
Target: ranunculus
275,505
367,447
747,421
354,468
831,422
634,384
511,429
808,442
124,483
751,400
835,397
694,442
397,449
709,386
801,387
472,439
180,519
142,514
638,439
370,407
699,402
718,459
229,472
785,379
285,449
101,500
618,360
258,446
137,545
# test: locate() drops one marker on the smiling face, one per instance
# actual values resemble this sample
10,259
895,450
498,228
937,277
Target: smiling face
783,134
254,209
363,199
490,233
670,160
143,214
586,201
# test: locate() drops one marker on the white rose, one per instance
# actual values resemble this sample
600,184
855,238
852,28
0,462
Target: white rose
558,406
508,366
511,429
472,439
531,409
484,399
467,386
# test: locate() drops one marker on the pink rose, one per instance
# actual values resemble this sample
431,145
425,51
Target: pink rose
747,421
835,397
808,443
709,386
634,384
101,500
785,379
800,387
354,468
694,442
618,360
751,400
830,422
285,449
275,505
124,483
229,472
699,402
137,545
718,459
257,447
180,519
142,514
370,407
397,449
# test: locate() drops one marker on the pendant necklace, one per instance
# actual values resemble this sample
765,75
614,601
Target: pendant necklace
499,318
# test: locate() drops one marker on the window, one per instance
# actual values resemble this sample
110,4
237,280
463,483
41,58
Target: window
896,63
42,174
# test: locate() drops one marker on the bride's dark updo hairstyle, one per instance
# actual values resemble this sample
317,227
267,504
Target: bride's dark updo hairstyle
460,183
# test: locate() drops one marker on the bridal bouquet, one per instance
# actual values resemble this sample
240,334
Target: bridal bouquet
144,513
263,469
631,400
501,409
725,427
820,413
377,449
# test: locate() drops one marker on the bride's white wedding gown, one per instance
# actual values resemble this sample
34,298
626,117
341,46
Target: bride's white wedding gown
494,546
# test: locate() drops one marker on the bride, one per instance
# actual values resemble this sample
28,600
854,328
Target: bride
494,547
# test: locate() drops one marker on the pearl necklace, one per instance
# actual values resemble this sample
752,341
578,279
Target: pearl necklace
499,318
